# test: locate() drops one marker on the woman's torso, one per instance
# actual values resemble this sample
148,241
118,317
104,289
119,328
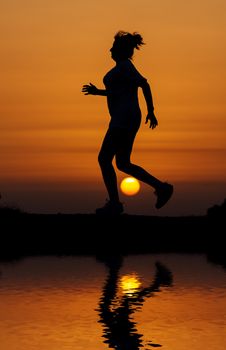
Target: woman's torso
122,83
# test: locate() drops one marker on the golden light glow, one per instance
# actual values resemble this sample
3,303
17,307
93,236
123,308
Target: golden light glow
130,284
130,186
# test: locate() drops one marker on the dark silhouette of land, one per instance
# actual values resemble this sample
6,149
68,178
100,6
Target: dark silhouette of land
29,234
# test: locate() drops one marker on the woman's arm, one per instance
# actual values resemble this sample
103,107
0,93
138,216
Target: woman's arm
93,90
150,106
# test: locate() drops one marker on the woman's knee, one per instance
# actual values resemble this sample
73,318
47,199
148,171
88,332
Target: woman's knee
122,164
100,159
103,160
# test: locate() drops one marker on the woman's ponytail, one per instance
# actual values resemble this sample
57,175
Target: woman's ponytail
137,40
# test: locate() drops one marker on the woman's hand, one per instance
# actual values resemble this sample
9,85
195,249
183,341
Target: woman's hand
90,89
153,121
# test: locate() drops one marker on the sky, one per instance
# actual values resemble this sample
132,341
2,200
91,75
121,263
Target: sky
50,132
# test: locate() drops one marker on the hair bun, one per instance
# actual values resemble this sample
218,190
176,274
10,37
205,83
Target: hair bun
134,39
137,40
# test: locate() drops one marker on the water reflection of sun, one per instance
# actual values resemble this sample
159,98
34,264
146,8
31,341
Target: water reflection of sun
130,284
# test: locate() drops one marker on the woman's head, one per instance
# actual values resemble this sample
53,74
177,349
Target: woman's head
124,45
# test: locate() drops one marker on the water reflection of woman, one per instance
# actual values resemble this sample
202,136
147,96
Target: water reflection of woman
119,329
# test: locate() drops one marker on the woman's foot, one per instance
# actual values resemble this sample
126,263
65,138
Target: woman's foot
163,194
111,208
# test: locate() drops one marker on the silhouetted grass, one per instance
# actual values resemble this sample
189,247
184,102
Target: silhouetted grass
10,210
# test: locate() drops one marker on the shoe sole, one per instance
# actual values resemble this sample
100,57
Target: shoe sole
159,206
108,214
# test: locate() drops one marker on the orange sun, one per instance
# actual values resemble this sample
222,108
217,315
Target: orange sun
130,186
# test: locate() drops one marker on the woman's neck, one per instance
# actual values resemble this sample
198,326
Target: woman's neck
122,60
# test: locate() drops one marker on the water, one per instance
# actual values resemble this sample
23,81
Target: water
173,301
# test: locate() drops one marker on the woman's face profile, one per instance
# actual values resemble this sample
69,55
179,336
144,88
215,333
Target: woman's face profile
113,51
120,51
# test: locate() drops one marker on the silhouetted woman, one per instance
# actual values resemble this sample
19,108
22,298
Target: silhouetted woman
121,89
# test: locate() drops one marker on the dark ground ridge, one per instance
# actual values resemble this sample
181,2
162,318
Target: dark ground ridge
27,234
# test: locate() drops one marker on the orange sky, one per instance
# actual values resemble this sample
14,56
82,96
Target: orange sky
50,132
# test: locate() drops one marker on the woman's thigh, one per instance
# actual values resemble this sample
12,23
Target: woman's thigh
117,142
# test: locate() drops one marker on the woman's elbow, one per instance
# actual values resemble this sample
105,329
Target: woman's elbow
145,84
